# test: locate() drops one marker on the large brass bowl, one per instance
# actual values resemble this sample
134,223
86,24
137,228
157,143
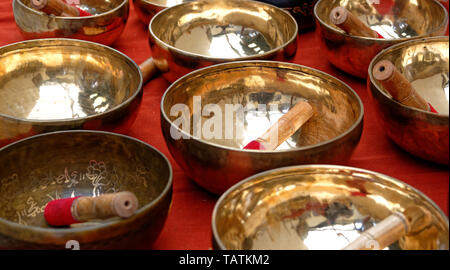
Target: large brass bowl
197,34
63,164
425,64
246,98
318,207
56,84
404,20
104,26
146,9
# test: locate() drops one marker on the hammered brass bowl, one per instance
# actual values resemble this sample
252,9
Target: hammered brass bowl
317,207
64,164
201,33
209,115
146,9
425,63
104,26
57,84
403,21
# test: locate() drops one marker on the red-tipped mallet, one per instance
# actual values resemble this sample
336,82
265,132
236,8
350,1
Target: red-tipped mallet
287,125
398,86
58,8
63,212
351,24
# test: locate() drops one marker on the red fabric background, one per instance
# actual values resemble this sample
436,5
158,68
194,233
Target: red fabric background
189,222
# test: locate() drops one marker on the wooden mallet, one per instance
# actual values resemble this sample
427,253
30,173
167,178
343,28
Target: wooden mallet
351,24
391,229
398,86
64,212
287,125
58,8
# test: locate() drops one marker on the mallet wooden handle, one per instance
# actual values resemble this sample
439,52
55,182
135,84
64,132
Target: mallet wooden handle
351,24
398,86
55,7
287,125
148,69
413,220
122,204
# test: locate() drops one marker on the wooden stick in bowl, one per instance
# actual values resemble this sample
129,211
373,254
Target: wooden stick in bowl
351,24
411,221
398,86
58,8
63,212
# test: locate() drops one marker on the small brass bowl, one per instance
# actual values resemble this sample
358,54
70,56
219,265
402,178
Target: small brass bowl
317,207
57,84
63,164
146,9
104,26
197,34
425,63
260,92
405,20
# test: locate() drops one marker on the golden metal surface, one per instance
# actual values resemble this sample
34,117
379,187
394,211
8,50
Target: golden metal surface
146,9
201,33
65,164
405,20
104,26
425,63
218,162
317,207
56,84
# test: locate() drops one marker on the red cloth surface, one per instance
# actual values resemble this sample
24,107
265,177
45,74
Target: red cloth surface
189,223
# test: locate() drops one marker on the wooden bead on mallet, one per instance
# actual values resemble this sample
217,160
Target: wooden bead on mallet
284,128
63,212
413,220
398,86
55,7
351,24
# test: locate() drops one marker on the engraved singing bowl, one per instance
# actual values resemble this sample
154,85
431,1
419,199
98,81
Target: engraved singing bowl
217,161
59,84
146,9
104,26
425,64
64,164
396,20
318,207
197,34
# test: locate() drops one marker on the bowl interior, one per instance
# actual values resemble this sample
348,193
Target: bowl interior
63,79
59,165
236,102
425,64
224,28
94,7
393,19
317,207
165,3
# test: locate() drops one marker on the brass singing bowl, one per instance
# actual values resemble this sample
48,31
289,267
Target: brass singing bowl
59,84
197,34
425,64
104,26
403,21
318,207
146,9
238,93
64,164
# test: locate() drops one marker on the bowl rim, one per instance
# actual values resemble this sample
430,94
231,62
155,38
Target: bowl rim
218,239
408,43
267,64
81,43
381,40
150,2
63,232
124,2
221,59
